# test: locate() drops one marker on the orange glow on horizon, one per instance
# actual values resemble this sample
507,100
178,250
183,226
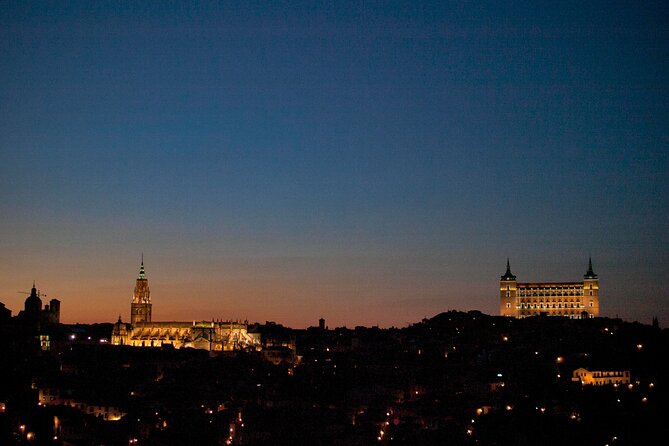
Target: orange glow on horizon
296,303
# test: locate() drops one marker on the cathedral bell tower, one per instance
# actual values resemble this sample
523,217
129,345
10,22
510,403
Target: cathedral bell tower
140,309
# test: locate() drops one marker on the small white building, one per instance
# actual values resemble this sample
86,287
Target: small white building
600,377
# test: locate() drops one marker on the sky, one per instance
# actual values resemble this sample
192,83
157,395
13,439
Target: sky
371,163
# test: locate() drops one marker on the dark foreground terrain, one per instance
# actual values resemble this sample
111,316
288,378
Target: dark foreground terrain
456,379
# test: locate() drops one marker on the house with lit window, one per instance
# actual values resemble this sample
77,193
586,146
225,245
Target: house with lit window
58,397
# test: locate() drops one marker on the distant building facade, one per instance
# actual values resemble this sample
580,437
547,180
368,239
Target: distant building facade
600,377
57,397
34,321
143,332
576,300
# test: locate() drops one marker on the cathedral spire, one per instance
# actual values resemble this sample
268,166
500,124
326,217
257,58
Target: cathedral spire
142,273
141,294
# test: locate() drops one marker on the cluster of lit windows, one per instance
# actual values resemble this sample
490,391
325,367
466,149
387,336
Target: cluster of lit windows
557,299
601,378
551,291
550,304
54,398
526,303
610,374
570,315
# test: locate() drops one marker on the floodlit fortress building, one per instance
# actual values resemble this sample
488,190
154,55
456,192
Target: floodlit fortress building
143,332
575,300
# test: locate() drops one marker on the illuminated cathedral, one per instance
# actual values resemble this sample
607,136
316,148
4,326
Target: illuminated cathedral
143,332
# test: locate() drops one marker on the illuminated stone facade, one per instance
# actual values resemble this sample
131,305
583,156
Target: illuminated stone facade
576,300
143,332
601,377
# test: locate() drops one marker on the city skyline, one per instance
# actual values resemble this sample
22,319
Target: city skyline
372,164
176,310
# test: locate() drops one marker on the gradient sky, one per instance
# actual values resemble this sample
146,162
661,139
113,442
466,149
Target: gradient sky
367,162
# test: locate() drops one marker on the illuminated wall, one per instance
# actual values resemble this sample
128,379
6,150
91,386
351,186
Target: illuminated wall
576,300
601,377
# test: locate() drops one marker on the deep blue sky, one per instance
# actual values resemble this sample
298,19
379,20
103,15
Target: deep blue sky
368,162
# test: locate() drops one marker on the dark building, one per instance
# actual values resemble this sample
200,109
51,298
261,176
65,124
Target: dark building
34,313
5,313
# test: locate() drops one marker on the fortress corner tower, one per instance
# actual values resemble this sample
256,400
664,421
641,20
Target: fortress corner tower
140,309
591,290
507,292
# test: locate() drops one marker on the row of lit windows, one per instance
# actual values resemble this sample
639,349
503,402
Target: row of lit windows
608,374
571,316
523,306
604,381
550,290
553,293
559,305
557,313
578,299
522,294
